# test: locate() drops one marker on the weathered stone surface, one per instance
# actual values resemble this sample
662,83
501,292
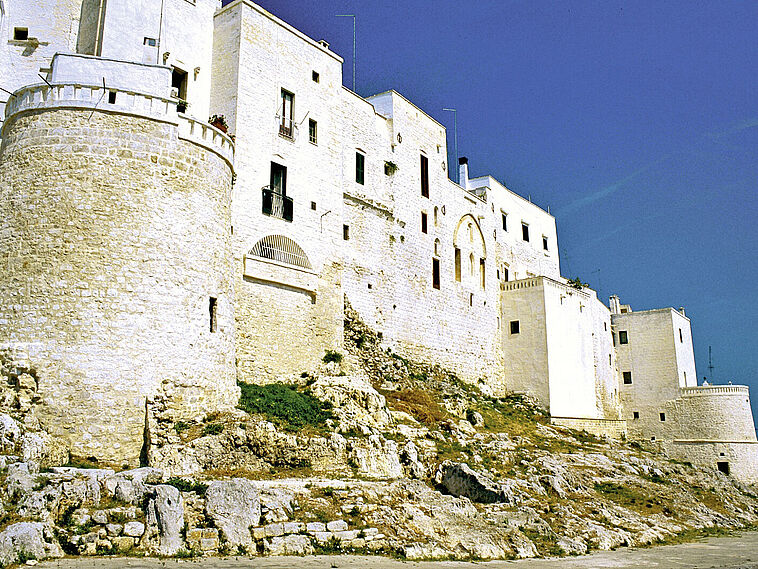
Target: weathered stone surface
40,447
20,479
234,506
114,529
355,402
337,525
134,529
165,518
313,527
375,457
289,545
130,486
33,540
460,480
10,433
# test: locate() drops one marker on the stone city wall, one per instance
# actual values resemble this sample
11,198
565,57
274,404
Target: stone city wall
114,235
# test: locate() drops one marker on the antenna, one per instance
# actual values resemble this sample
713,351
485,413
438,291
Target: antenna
710,363
455,130
354,41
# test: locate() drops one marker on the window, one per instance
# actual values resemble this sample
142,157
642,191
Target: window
424,176
525,231
281,249
635,414
515,327
605,326
20,34
212,303
681,338
436,273
312,131
286,122
150,42
276,203
544,243
278,178
423,222
471,264
437,247
627,377
313,206
663,417
505,273
482,276
346,232
179,84
723,467
360,167
112,97
315,76
457,264
623,337
610,360
505,221
436,216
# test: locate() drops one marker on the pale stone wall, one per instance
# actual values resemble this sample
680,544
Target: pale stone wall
185,35
742,457
716,412
114,234
613,428
282,330
53,27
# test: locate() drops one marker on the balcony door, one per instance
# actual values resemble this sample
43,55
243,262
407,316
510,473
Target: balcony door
278,179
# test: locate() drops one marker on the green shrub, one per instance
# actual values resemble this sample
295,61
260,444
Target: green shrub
187,485
181,426
213,429
332,356
285,405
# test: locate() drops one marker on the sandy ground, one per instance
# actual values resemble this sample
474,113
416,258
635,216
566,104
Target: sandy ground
721,553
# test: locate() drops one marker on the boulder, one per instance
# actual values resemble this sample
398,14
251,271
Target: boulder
165,516
234,506
42,448
10,433
460,480
355,402
20,480
377,458
130,486
28,540
134,529
288,545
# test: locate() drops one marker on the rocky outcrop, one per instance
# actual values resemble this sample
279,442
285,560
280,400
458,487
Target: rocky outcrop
234,506
460,480
26,541
165,520
357,405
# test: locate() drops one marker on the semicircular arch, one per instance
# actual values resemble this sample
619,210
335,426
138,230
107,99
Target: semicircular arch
281,249
468,235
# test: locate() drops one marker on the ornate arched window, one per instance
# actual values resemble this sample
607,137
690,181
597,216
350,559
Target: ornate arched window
282,249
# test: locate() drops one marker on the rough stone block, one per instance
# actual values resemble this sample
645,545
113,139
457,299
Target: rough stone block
134,529
313,527
337,525
274,530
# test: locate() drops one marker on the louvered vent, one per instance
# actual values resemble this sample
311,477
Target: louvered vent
282,249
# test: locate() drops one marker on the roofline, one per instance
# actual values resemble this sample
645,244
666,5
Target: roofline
281,23
427,115
666,309
543,210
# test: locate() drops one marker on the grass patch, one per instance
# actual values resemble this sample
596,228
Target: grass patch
547,545
512,414
418,403
285,405
187,485
332,357
181,426
631,498
213,429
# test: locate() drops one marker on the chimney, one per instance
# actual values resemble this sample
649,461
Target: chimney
681,311
615,304
463,172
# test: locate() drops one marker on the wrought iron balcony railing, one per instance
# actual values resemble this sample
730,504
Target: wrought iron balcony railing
276,204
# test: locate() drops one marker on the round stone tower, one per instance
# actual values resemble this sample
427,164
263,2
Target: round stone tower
116,264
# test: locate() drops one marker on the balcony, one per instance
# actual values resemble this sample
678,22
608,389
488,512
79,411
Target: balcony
276,204
287,127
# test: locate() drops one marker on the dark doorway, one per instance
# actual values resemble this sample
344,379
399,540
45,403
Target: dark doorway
723,467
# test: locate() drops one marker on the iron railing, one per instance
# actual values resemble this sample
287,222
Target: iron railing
277,205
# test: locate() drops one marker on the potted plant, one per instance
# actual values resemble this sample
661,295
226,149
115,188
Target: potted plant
219,121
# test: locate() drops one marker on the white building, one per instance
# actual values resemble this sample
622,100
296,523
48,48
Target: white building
250,245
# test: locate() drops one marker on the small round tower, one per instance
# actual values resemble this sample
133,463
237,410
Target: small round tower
116,272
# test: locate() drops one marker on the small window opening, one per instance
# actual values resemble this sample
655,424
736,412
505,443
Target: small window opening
360,167
721,454
212,309
544,243
482,275
150,42
505,221
635,414
605,326
681,338
663,417
20,34
525,231
315,76
515,327
457,264
471,299
723,467
112,97
437,247
623,337
627,377
436,273
313,206
471,264
346,232
652,439
423,222
436,215
610,360
179,82
505,274
312,131
424,176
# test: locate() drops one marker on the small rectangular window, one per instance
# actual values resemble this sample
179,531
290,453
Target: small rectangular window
505,221
663,417
112,97
360,167
635,414
424,176
505,274
20,34
150,42
482,275
544,243
312,131
315,76
627,377
623,337
286,122
723,467
525,231
212,304
515,327
436,273
346,232
681,338
457,264
424,221
313,206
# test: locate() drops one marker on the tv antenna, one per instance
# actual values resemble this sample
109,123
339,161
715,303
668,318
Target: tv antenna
710,363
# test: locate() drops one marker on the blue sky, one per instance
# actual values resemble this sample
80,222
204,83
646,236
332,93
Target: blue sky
636,122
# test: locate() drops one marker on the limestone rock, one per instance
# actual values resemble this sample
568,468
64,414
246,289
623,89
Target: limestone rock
289,545
460,480
33,540
134,529
165,516
20,480
355,402
40,447
10,433
234,506
130,486
377,458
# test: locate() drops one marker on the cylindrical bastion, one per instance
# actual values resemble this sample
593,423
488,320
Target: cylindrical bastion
115,262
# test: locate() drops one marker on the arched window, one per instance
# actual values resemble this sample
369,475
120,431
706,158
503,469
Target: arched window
436,216
282,249
471,263
470,233
437,247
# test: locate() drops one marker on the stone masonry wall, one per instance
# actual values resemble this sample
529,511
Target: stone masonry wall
114,236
